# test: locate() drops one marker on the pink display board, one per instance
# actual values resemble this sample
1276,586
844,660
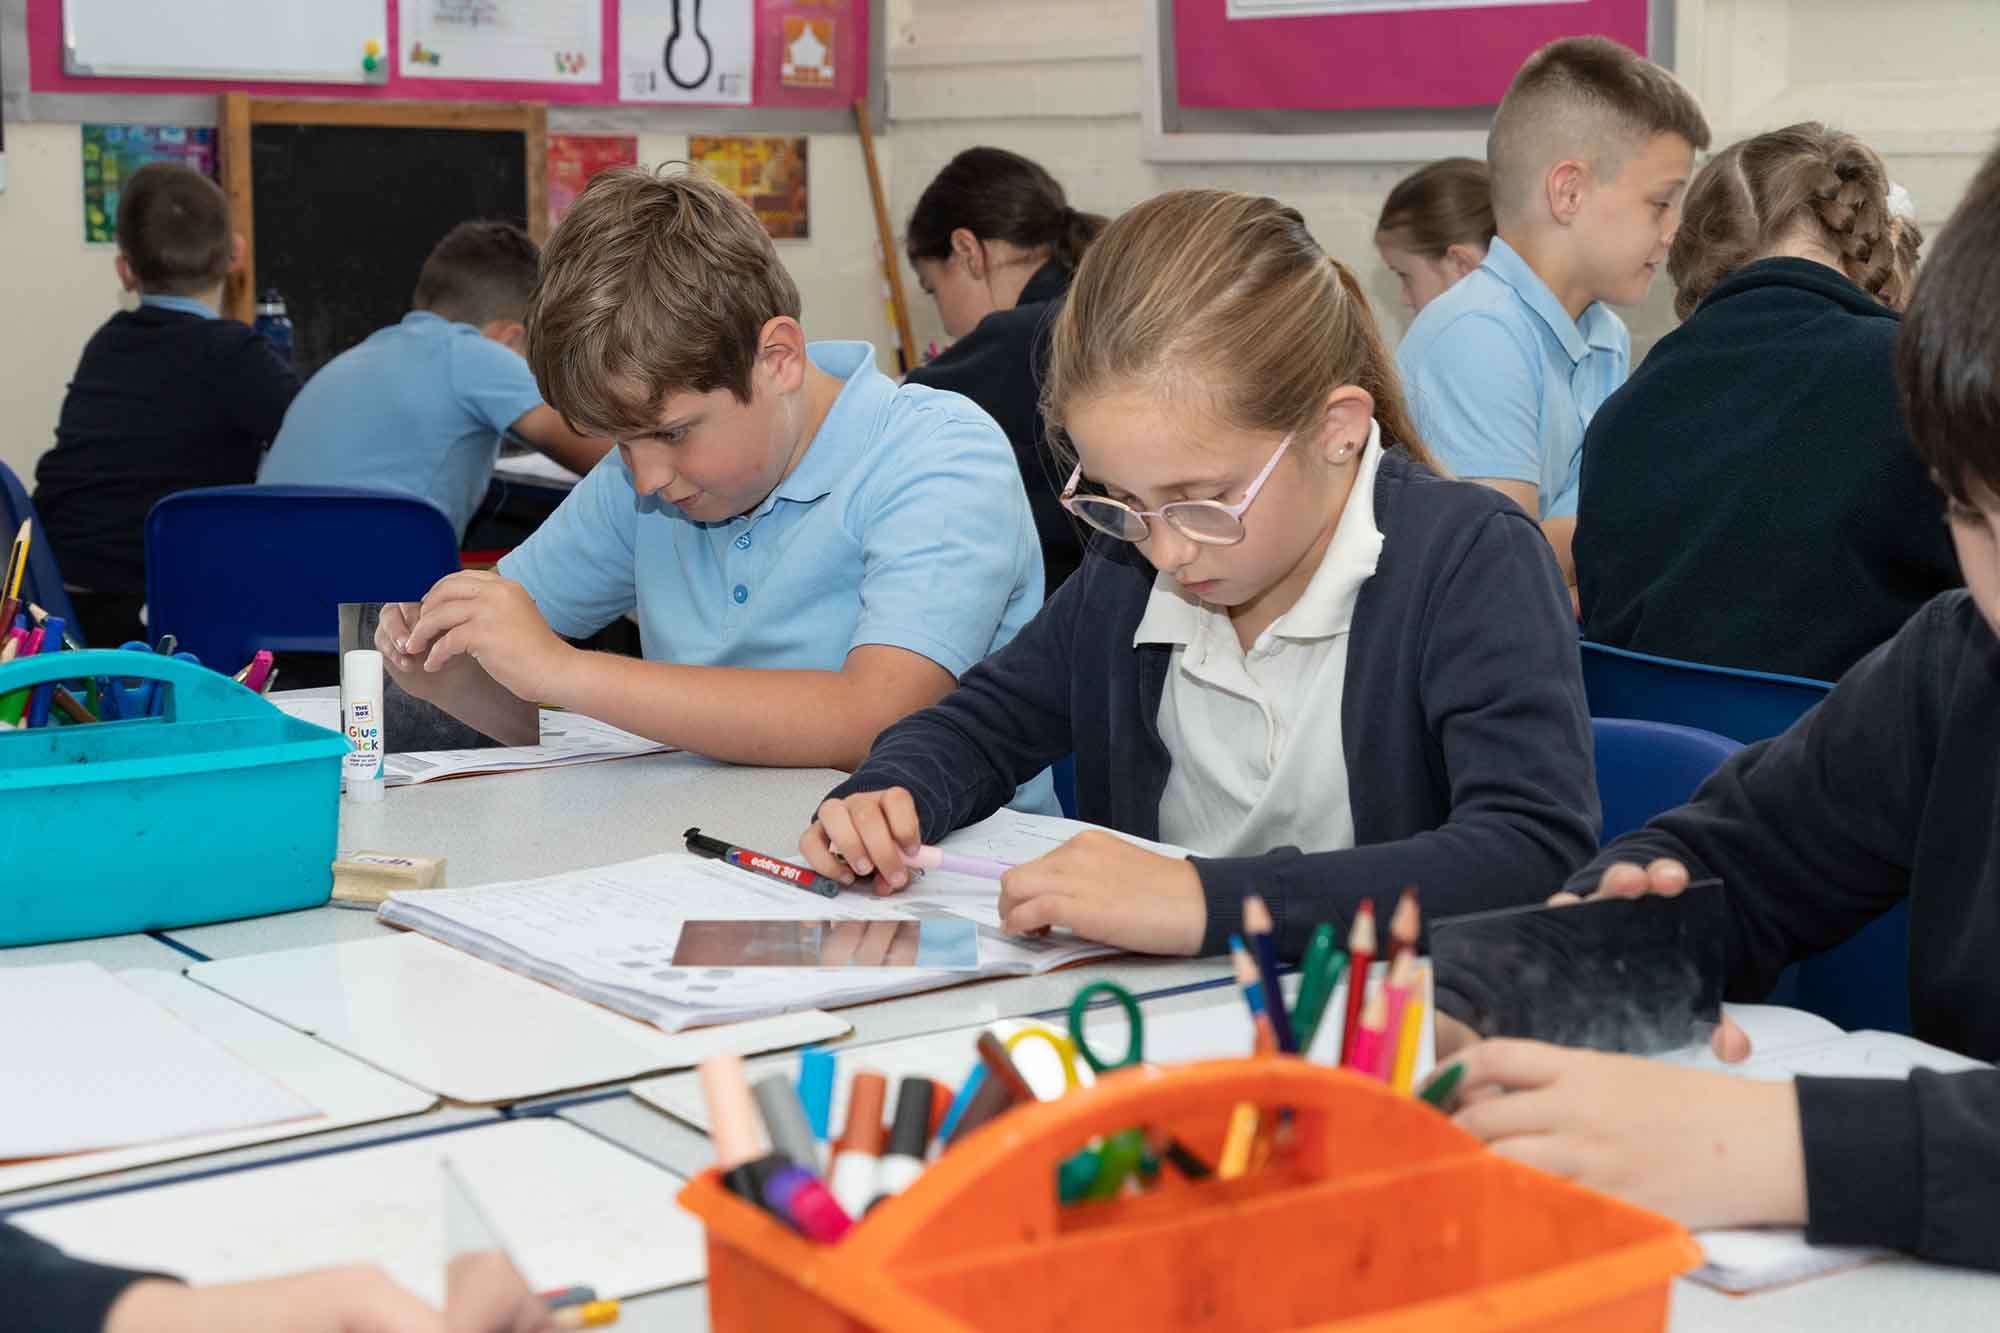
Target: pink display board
847,84
1408,58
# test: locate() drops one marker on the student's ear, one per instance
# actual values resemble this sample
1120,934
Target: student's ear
781,355
238,247
969,251
1566,183
1461,259
127,279
1350,411
511,334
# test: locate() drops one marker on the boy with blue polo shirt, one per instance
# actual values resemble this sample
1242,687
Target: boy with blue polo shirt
421,406
812,551
1590,154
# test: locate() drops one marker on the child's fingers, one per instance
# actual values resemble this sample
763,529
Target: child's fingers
879,845
1557,1154
1512,1064
1666,878
1624,880
836,825
1034,914
818,851
1491,1119
457,587
1730,1042
899,808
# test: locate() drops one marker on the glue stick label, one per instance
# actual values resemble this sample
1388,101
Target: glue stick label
361,713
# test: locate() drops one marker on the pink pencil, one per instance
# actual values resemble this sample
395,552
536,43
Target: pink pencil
1402,977
1366,1056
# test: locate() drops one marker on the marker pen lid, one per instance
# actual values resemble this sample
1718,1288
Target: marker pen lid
912,1131
864,1114
785,1119
733,1122
799,1197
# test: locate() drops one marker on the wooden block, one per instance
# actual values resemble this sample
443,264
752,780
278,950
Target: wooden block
370,877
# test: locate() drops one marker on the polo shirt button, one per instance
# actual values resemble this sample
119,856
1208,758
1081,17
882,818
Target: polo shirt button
741,594
743,544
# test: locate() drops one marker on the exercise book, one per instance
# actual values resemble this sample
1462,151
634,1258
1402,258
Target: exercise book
464,1029
336,1090
574,1210
609,934
1785,1043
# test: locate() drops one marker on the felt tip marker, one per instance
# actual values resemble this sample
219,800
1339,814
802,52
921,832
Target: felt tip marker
937,858
736,1129
796,1195
853,1176
911,1135
785,1120
758,863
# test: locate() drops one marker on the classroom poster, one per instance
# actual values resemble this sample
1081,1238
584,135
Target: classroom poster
575,158
531,41
811,53
767,172
695,51
111,153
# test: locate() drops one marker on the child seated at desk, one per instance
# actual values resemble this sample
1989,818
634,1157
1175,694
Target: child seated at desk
166,398
421,406
1886,792
813,551
47,1291
1296,649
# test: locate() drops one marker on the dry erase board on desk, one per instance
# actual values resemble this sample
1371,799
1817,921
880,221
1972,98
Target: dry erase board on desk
339,203
295,41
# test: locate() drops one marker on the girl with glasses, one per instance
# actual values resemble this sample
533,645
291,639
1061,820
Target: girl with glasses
1293,647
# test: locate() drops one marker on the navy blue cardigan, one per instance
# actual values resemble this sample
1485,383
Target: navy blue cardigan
1463,722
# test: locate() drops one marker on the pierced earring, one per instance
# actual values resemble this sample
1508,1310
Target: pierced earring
1342,454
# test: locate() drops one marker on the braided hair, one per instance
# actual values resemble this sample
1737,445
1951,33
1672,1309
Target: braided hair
1754,195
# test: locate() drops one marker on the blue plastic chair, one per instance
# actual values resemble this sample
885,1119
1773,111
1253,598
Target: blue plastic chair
1644,768
1861,983
1743,705
43,583
232,569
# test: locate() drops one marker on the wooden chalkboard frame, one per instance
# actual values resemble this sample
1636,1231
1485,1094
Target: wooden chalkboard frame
239,114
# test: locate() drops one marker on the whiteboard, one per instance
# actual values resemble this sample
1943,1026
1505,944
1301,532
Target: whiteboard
285,41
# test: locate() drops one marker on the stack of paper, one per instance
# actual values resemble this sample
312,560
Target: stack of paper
608,935
567,738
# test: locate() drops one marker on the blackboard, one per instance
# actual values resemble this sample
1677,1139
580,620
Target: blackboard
344,215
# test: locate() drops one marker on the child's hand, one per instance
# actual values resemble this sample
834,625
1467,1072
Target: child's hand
391,631
1105,889
1709,1150
868,833
493,621
1662,879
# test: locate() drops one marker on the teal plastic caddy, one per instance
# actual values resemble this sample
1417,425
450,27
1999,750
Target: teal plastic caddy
220,807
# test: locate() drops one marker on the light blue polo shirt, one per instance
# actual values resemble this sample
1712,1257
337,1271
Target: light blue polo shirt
904,523
419,408
187,305
1503,382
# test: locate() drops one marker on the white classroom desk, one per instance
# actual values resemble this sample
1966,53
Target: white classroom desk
527,824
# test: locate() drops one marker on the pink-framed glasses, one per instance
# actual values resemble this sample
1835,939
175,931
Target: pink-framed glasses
1210,522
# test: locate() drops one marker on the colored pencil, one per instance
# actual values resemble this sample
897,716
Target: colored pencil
1402,975
1404,925
1236,1146
17,560
1364,1056
1315,985
1264,1039
1260,928
1360,954
1403,1076
1438,1091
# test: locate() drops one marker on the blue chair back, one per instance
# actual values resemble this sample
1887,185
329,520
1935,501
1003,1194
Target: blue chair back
43,583
1862,983
231,569
1644,768
1742,705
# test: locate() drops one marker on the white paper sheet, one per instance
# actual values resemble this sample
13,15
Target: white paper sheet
88,1063
534,41
708,61
573,1208
567,738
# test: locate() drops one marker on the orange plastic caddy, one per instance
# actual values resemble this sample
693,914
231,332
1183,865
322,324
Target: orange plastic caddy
1382,1218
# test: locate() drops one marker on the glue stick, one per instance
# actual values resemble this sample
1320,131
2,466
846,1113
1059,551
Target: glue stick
361,720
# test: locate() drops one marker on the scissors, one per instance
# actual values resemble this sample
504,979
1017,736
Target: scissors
122,700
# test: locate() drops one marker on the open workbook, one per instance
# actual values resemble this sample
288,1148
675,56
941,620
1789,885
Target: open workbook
567,738
608,935
1785,1043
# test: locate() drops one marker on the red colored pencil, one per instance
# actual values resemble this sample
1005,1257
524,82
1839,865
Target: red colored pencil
1360,955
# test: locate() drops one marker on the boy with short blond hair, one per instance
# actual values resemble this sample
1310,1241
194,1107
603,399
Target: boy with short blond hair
1590,153
812,551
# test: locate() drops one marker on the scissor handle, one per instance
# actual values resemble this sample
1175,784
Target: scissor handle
1135,1040
1065,1051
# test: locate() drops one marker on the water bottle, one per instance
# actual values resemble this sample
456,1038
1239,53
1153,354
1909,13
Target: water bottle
274,323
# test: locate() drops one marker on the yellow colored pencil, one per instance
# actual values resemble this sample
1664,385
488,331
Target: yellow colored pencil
17,559
1404,1073
1236,1146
